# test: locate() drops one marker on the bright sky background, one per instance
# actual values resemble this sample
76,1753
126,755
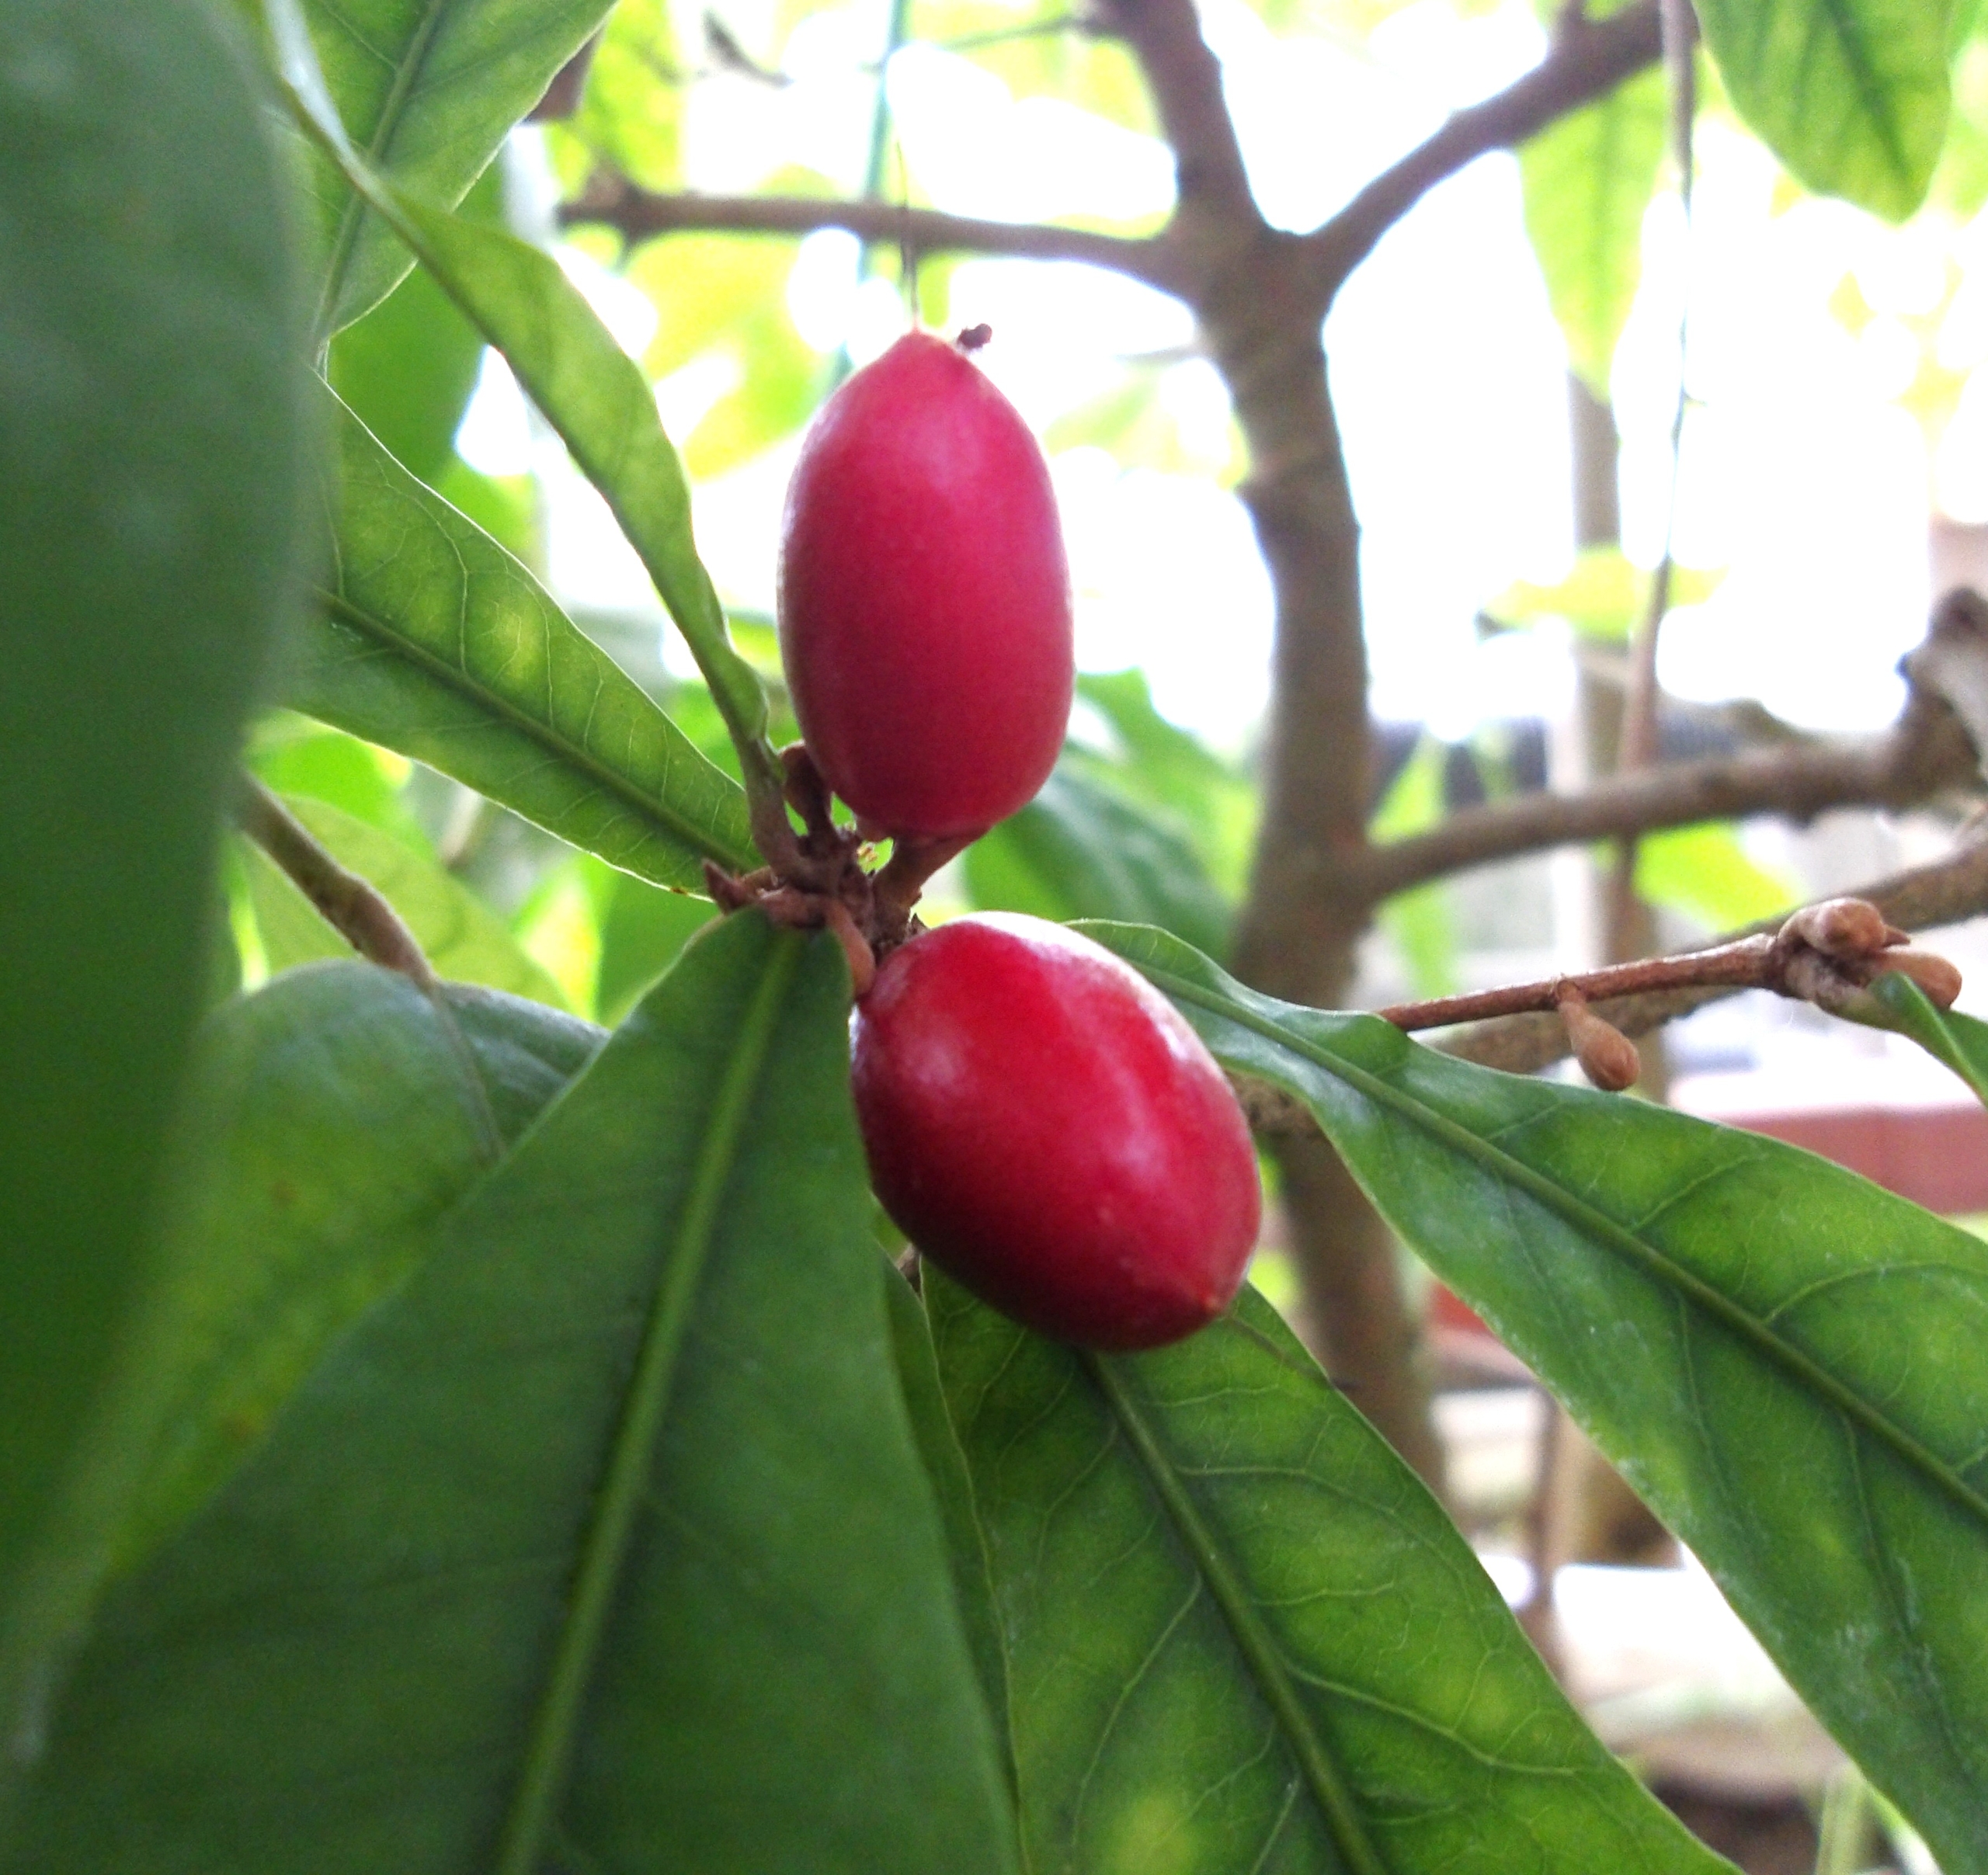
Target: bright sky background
1803,473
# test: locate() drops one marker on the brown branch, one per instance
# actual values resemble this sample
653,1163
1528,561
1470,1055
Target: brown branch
1589,58
351,906
1925,752
1185,78
1922,899
612,201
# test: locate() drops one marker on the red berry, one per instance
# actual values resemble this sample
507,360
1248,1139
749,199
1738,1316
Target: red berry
924,596
1045,1127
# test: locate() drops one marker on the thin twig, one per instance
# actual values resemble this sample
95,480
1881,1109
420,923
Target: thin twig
611,200
1588,59
1924,898
351,906
1745,963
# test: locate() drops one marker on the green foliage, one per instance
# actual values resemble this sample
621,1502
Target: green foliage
606,1532
1587,182
1960,1041
269,1258
1420,920
1206,1569
1043,51
1209,800
630,114
718,297
406,369
153,460
1081,849
1704,872
293,755
434,642
1851,95
1783,1359
462,938
427,88
1603,596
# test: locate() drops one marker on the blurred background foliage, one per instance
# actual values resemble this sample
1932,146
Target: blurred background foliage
981,106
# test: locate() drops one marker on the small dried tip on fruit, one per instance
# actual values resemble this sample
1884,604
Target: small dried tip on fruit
973,337
1938,978
1842,928
1607,1057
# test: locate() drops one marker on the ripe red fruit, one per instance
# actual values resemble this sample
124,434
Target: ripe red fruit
924,596
1044,1126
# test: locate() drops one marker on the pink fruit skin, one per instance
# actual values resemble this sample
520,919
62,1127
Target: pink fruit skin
1045,1127
925,597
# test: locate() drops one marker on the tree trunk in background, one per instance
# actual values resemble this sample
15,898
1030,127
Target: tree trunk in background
1298,930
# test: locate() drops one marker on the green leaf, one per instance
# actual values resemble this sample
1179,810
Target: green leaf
1958,1041
642,930
587,387
291,755
1603,596
630,113
272,1252
434,642
407,369
1241,1636
152,459
1420,920
952,1484
602,1543
427,90
1081,849
1159,762
1851,95
1587,180
1784,1360
721,299
465,939
1704,872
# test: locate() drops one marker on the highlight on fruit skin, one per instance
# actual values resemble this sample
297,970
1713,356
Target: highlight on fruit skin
1045,1126
924,596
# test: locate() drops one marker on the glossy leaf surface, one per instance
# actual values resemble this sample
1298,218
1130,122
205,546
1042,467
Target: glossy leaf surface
427,90
1851,95
603,1542
1784,1361
151,476
462,938
1243,1637
271,1252
434,642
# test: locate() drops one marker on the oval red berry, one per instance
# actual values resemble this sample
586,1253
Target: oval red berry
924,596
1046,1127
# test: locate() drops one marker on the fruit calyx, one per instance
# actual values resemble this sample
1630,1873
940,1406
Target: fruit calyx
818,880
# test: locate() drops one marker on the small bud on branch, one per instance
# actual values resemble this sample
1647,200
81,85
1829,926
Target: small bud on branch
1825,954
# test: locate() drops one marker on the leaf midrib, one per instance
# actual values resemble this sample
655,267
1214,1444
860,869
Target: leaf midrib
405,75
1329,1788
652,808
1651,1260
533,1816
